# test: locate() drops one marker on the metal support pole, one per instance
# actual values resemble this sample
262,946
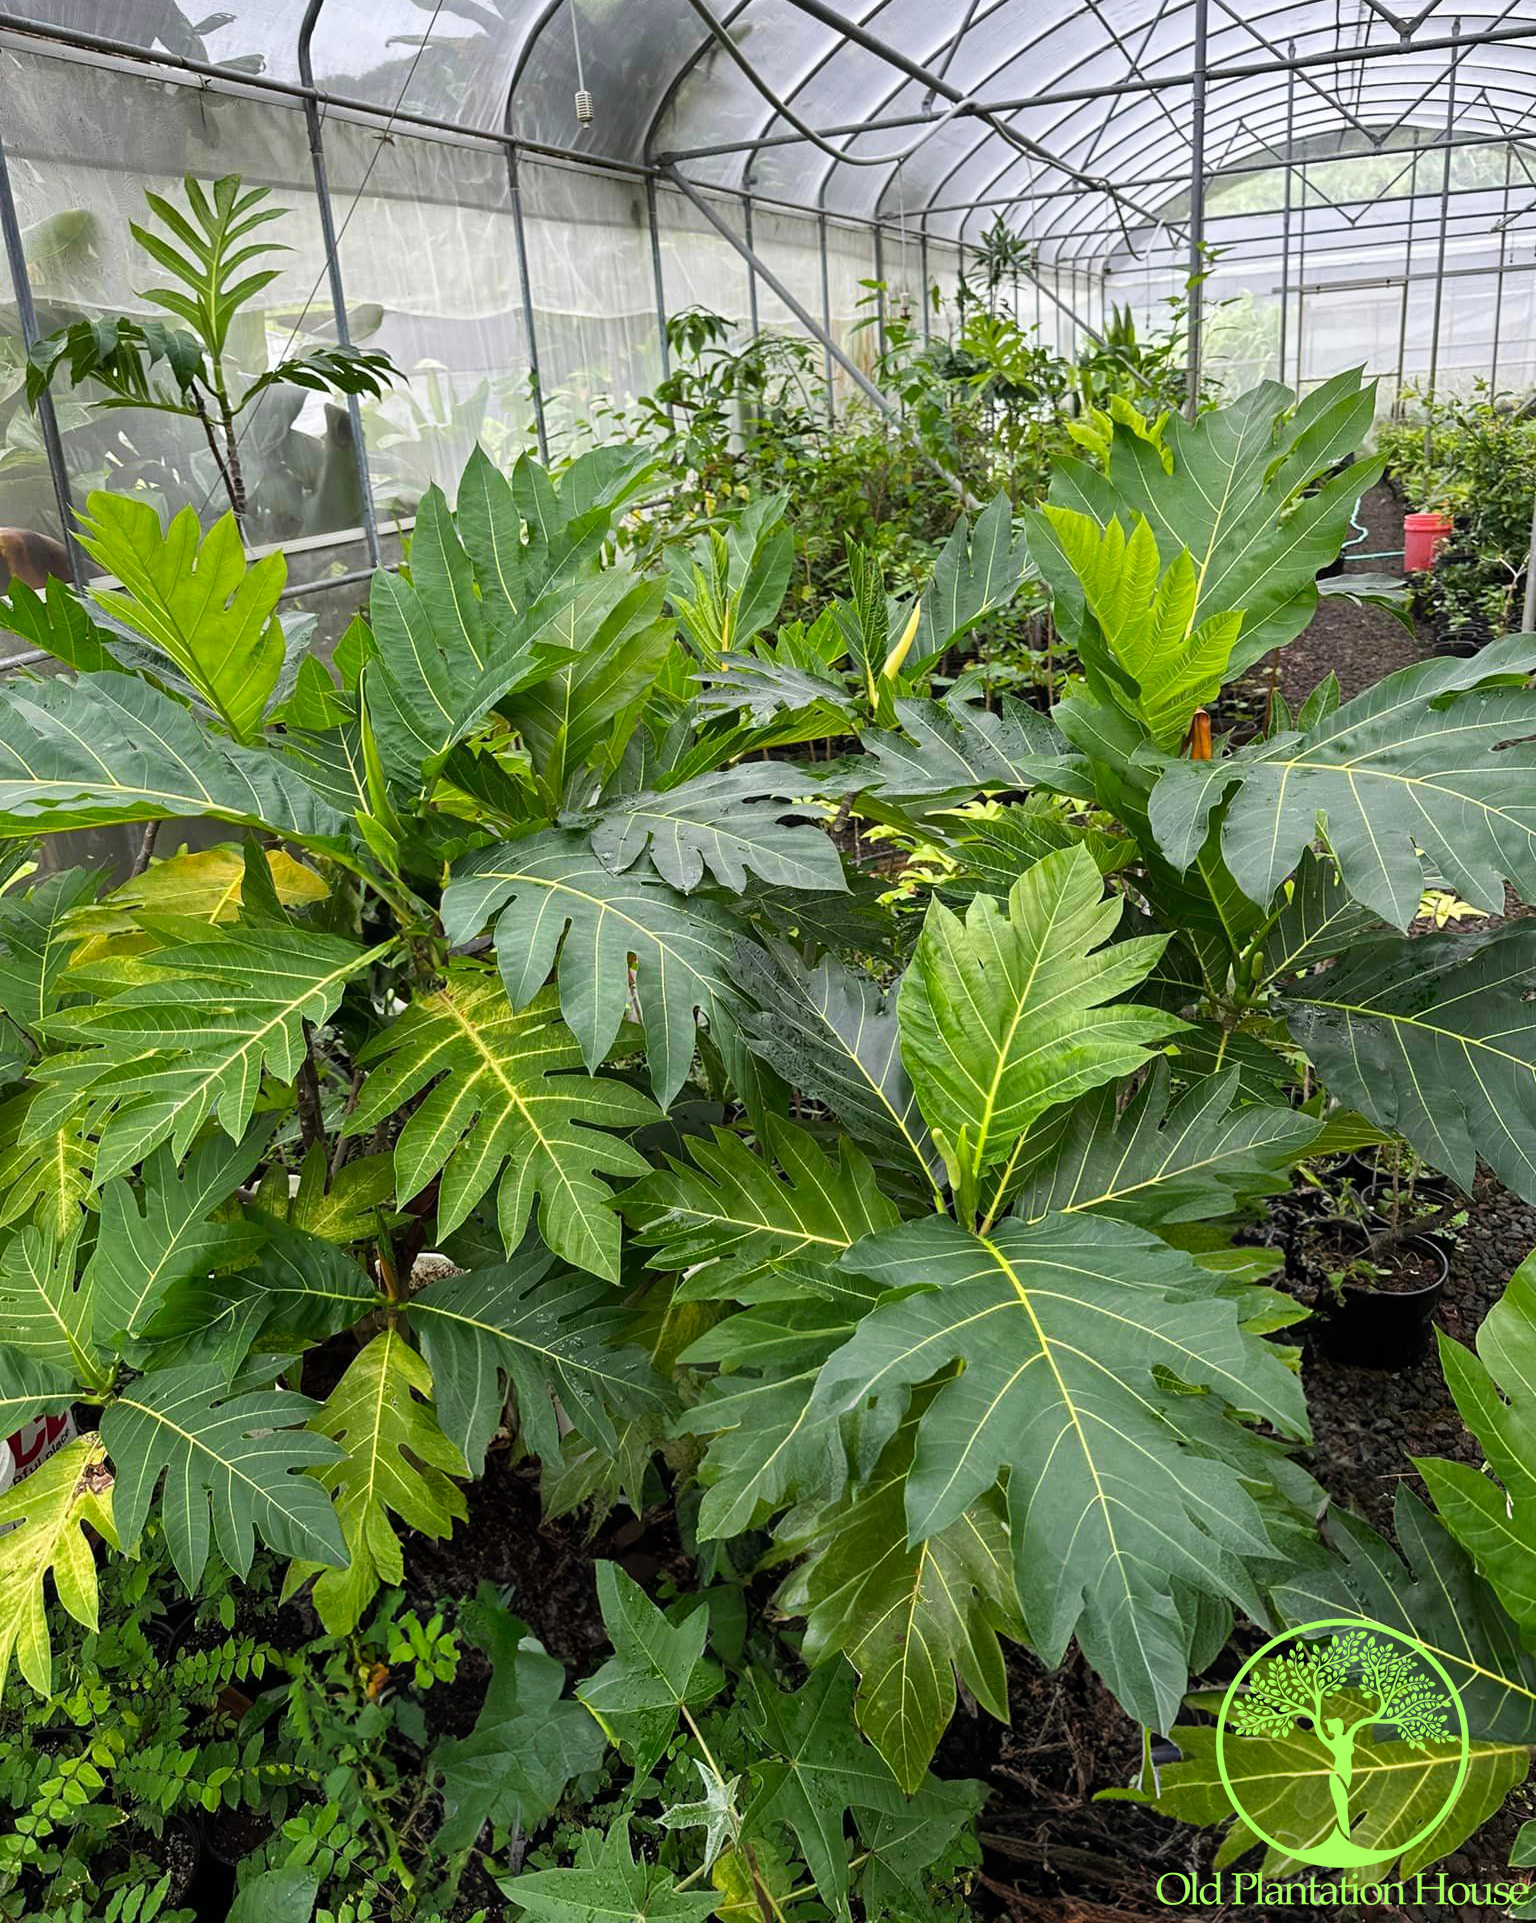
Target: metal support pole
1285,211
1301,271
826,318
658,278
333,275
879,288
1445,214
922,250
525,282
1498,298
47,420
753,317
1195,316
1408,275
1528,612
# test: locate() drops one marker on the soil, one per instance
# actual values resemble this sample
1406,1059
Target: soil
1359,645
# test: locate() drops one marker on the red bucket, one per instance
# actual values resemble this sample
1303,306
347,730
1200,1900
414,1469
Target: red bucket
1423,537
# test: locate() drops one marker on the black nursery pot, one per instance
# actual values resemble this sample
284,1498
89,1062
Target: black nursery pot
1384,1328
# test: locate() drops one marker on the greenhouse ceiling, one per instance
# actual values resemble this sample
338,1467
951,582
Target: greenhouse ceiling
1082,128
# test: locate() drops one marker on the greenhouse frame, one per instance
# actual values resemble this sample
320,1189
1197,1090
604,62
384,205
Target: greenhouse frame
767,961
1363,184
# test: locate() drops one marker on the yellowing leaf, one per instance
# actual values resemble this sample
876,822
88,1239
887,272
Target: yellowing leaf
45,1518
202,886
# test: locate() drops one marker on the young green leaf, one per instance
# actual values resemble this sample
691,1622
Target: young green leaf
657,1670
395,1460
1004,1015
1140,644
1232,487
194,599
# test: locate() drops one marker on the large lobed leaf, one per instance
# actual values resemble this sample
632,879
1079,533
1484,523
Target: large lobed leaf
733,821
546,1334
1237,498
831,1033
1010,1012
1079,1338
910,1617
549,896
502,1098
192,1034
1432,769
102,748
232,1465
1434,1039
1158,1161
731,1222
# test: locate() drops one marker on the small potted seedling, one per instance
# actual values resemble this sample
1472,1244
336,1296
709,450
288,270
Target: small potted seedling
1380,1285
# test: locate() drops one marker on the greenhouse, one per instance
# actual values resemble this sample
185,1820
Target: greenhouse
767,961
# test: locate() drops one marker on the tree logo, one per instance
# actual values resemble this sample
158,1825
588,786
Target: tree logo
1320,1690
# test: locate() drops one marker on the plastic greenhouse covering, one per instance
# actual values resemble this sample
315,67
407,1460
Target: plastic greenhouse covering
1356,185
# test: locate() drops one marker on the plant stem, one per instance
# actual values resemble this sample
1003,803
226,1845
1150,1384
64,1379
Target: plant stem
306,1086
146,850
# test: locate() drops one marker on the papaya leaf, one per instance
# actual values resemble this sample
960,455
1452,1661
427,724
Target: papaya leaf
657,1669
